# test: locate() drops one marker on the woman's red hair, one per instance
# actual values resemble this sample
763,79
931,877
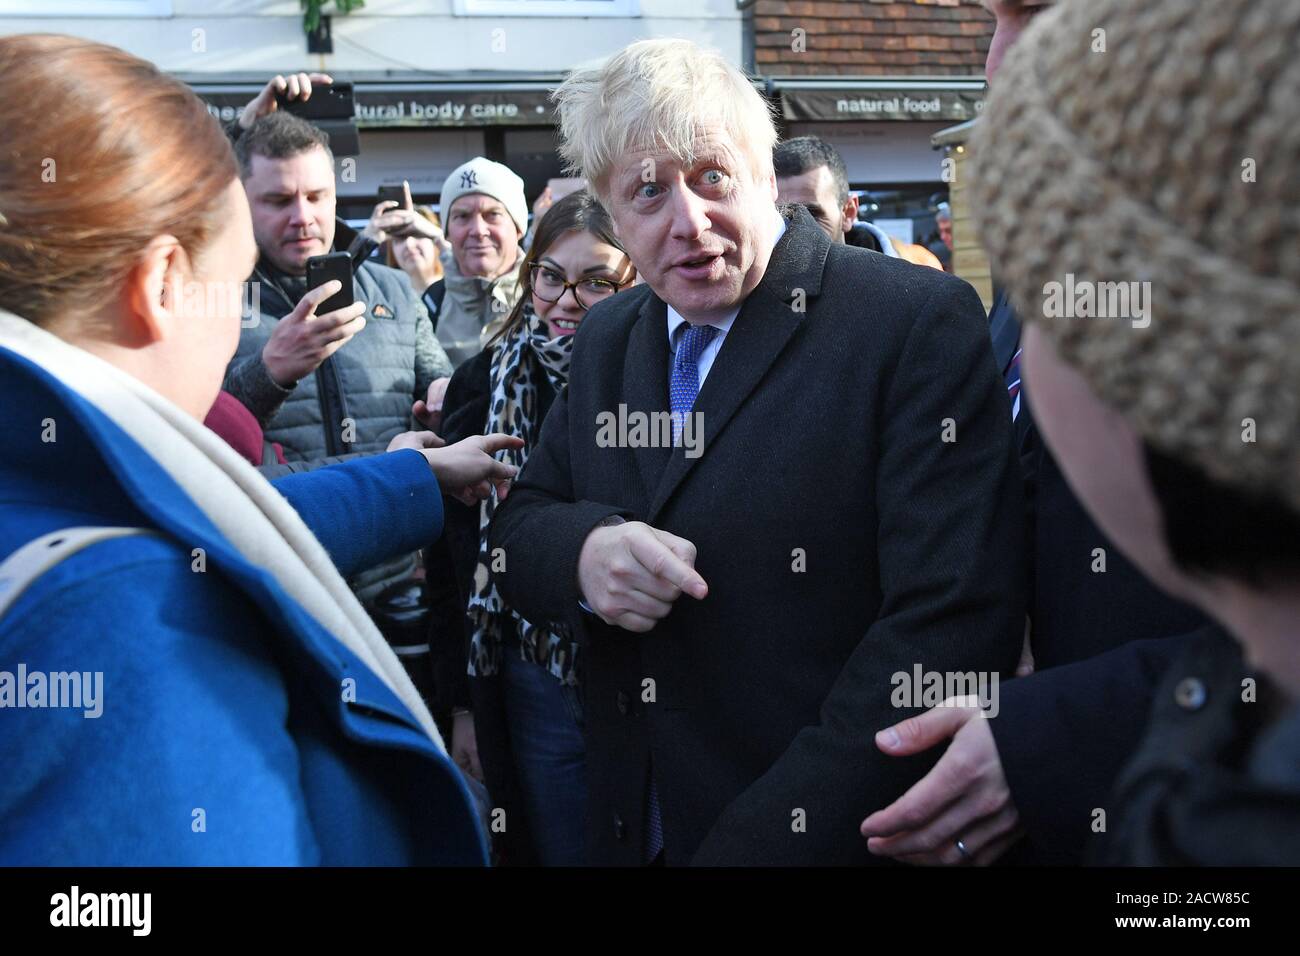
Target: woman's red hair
100,153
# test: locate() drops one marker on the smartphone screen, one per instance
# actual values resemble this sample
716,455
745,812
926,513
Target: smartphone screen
321,269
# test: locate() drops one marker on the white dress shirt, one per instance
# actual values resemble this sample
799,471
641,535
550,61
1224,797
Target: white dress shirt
675,322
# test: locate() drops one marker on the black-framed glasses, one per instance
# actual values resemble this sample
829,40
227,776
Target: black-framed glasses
549,286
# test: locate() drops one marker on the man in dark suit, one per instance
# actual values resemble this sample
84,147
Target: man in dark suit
782,476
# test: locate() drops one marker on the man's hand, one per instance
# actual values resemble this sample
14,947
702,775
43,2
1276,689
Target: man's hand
467,471
416,440
464,746
297,86
389,220
428,411
303,339
380,220
965,797
630,574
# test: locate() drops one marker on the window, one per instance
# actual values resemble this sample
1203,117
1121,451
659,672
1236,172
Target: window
106,9
546,8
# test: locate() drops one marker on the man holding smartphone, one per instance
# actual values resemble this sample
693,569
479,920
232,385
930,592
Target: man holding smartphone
322,383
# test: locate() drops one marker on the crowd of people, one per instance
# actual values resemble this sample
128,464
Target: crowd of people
629,534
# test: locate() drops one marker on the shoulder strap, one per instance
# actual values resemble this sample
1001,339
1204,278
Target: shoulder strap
37,556
433,297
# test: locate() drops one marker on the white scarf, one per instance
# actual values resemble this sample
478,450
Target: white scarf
234,496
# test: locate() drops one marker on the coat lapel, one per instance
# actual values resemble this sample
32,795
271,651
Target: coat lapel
645,382
768,319
1004,328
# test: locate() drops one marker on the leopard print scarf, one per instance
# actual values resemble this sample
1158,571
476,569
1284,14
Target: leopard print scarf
521,357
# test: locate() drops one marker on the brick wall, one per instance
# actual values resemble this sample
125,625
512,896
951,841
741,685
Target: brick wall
871,37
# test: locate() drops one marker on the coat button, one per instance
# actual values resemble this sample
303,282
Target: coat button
620,828
624,703
1190,694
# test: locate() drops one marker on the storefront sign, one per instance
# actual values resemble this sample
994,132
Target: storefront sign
380,108
820,106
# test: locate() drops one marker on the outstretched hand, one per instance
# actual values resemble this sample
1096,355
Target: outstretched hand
468,472
964,797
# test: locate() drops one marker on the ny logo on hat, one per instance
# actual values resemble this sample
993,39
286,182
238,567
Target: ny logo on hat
468,179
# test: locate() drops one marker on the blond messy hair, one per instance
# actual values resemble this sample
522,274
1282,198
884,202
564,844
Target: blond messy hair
659,94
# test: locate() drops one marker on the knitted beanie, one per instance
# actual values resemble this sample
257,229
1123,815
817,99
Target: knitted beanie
482,175
1135,181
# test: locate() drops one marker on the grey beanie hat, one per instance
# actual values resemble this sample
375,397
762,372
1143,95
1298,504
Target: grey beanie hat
1148,151
482,175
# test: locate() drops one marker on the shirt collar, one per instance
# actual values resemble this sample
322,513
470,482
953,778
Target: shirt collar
675,321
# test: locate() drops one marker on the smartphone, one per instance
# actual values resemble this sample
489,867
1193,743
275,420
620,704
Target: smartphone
327,101
336,265
398,194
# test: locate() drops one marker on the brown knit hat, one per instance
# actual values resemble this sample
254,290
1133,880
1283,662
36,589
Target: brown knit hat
1172,159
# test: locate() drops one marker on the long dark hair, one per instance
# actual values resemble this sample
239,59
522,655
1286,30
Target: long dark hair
576,212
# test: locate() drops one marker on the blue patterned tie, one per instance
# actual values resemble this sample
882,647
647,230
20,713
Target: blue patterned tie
684,384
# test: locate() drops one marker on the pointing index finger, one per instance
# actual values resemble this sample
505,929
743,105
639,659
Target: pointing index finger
498,441
659,559
316,296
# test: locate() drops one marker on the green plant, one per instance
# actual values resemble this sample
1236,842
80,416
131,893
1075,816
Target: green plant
311,10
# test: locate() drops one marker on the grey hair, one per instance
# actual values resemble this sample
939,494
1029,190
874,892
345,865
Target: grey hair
662,94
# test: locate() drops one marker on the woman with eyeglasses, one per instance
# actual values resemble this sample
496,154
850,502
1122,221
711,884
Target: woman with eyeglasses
512,685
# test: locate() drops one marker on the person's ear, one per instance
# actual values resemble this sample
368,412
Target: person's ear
850,213
154,296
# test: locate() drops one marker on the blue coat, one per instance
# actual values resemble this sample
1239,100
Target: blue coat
224,738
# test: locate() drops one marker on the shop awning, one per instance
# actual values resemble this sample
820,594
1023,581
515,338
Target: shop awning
854,99
450,100
388,101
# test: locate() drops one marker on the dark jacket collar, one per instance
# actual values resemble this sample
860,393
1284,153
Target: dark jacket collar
799,257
